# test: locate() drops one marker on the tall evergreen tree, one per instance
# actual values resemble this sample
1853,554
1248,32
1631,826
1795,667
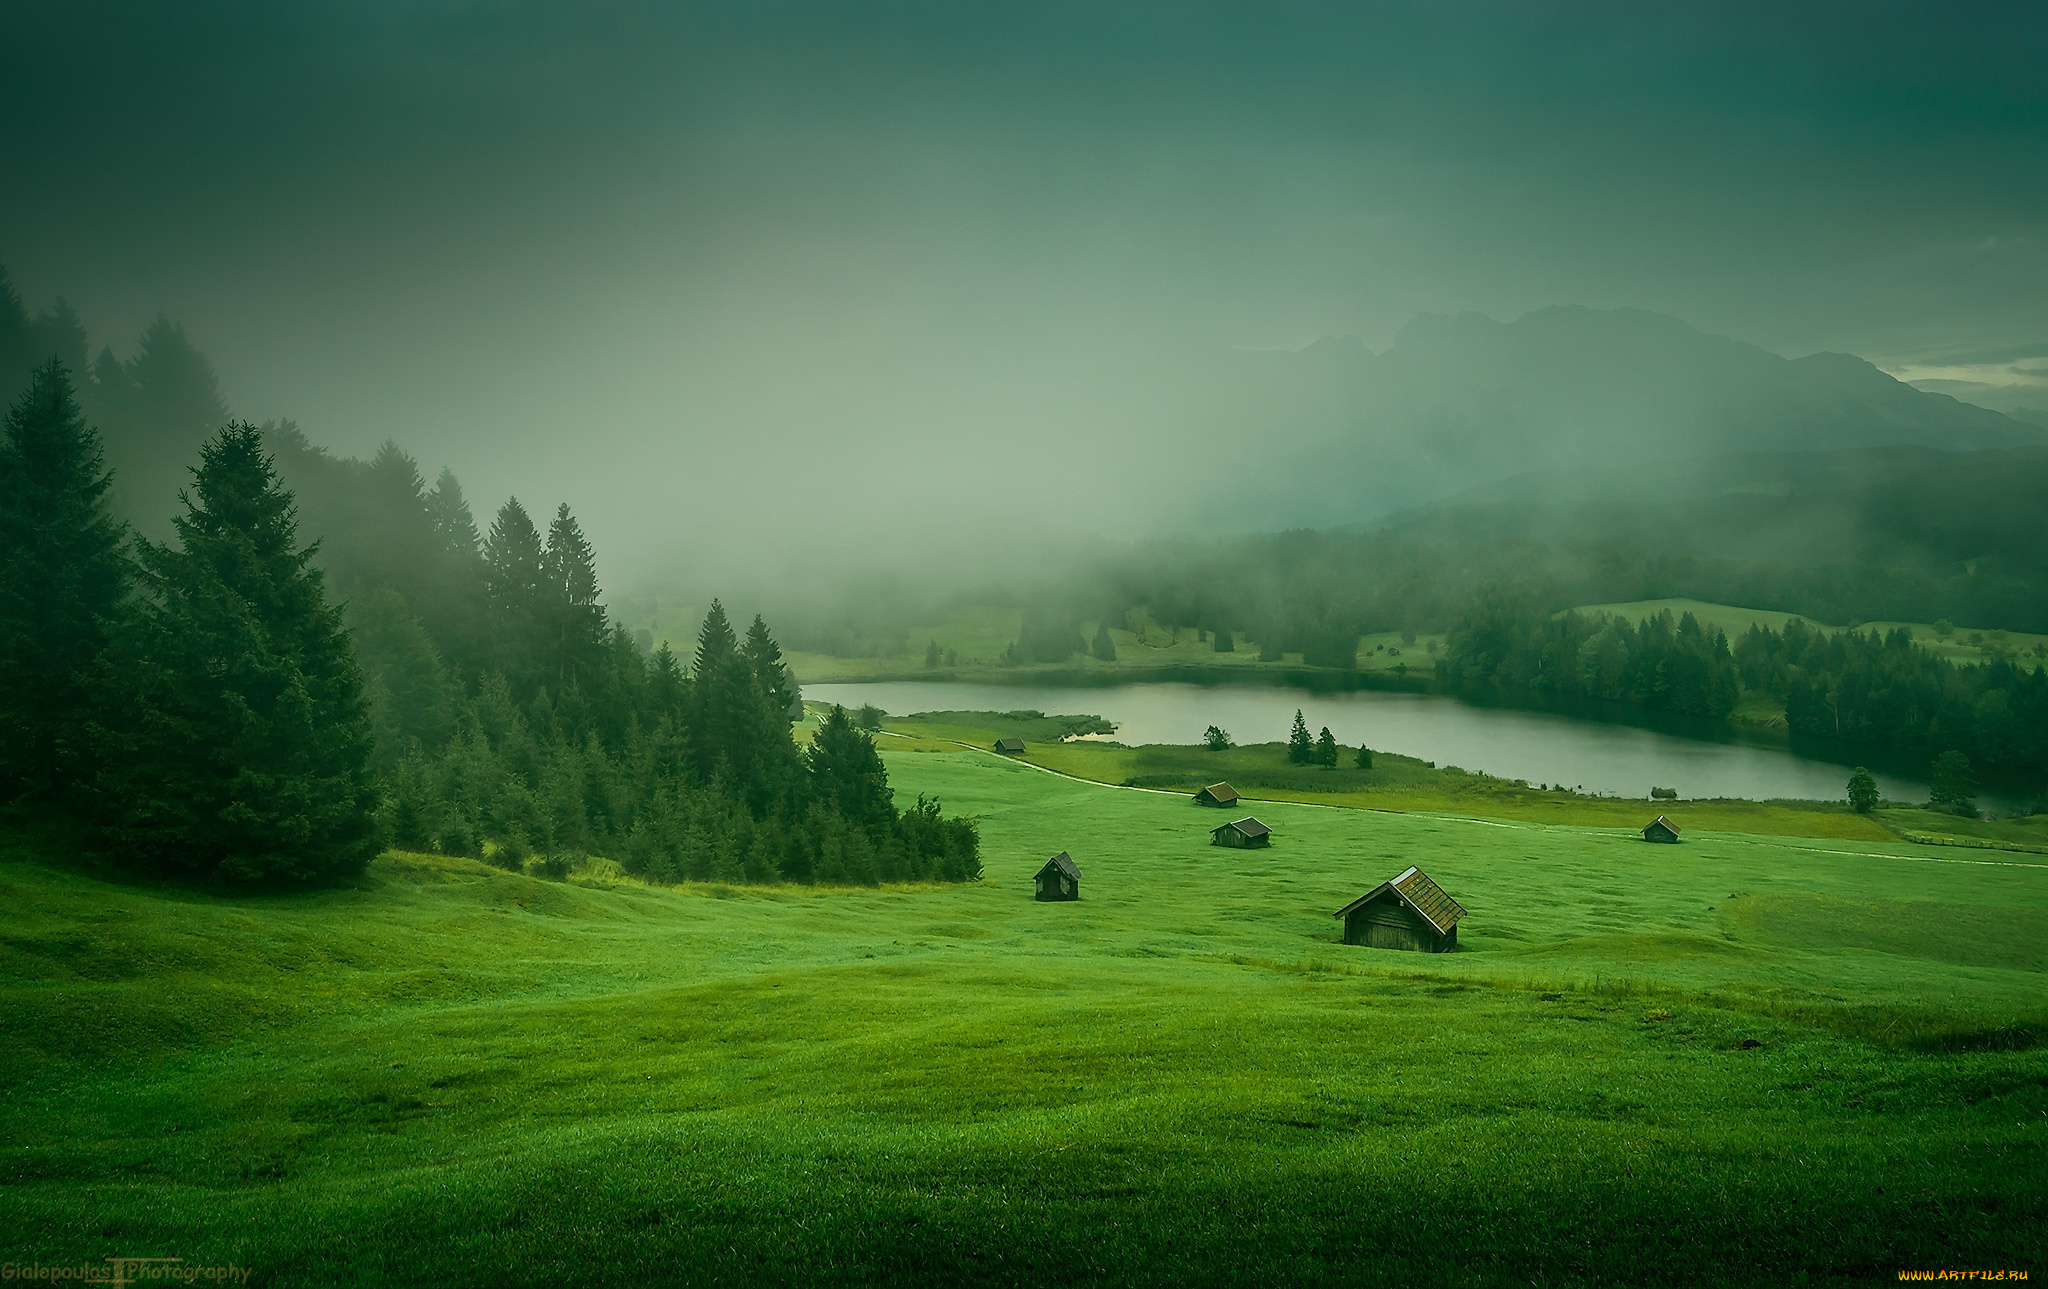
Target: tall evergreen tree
771,674
725,709
64,577
1301,749
847,775
575,620
457,607
255,749
516,578
1326,748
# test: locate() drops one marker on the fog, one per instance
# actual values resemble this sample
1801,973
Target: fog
810,286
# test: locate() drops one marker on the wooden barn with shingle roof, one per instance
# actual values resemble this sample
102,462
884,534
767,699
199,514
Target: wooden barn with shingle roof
1060,879
1217,794
1410,912
1660,829
1242,833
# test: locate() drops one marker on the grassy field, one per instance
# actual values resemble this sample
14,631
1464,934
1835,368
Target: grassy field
1964,644
1740,1059
1395,783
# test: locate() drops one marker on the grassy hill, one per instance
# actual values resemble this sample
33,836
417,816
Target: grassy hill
1742,1056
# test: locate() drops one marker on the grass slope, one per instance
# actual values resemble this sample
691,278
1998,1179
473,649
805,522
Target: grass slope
1736,1059
1396,783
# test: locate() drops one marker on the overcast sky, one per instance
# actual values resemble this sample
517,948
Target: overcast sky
676,263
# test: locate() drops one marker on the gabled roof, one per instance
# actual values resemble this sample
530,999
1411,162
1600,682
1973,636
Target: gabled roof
1414,889
1669,827
1063,862
1009,745
1220,792
1249,826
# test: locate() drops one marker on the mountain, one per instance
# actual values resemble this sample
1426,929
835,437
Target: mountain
1335,432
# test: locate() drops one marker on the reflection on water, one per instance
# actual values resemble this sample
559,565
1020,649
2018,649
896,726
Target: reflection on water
1537,746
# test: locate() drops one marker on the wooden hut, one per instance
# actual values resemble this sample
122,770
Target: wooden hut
1410,912
1010,746
1660,829
1242,833
1059,879
1217,794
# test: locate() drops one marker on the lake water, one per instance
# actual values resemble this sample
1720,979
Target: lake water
1540,747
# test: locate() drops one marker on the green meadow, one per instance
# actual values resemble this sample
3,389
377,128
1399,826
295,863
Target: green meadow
1746,1058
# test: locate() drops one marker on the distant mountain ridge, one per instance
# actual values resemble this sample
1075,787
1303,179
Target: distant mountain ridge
1336,433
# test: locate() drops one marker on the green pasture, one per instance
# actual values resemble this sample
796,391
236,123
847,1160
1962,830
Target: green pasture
1741,1059
1394,783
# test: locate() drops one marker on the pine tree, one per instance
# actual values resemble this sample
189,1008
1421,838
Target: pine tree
64,579
1364,758
1301,749
1104,648
516,581
255,753
574,618
725,709
1326,748
848,777
932,656
772,677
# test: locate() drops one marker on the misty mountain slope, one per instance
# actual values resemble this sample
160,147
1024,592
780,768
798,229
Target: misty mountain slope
1337,433
1938,533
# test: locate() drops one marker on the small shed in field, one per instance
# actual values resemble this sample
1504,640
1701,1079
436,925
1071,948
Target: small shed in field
1059,879
1009,746
1217,794
1241,833
1410,912
1660,829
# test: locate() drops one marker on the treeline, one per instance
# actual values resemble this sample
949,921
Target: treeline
1505,645
1878,690
201,705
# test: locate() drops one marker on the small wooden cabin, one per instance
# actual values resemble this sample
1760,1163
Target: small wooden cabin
1059,879
1217,794
1410,912
1660,829
1010,746
1242,833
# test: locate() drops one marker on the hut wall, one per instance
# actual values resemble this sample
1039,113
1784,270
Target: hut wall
1389,926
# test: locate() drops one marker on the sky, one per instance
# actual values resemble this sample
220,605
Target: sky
797,267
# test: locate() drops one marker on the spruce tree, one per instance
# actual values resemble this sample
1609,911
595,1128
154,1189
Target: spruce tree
255,754
64,579
1326,748
515,578
1104,647
847,776
575,620
725,709
771,674
1301,749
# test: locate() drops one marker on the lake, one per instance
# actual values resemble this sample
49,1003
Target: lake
1541,747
